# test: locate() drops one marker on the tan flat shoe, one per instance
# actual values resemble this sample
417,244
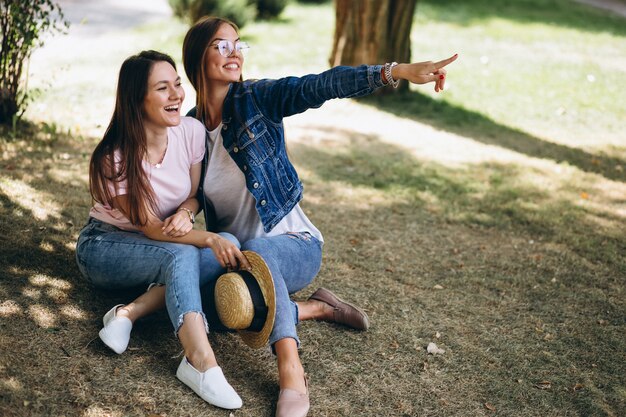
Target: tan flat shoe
292,403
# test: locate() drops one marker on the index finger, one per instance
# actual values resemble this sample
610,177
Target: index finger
447,61
168,226
243,261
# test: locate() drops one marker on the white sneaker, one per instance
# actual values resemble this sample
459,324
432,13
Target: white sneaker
116,331
210,385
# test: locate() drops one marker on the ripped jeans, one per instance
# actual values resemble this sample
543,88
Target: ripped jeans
294,260
112,258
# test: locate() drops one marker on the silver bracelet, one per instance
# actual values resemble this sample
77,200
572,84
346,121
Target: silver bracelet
390,80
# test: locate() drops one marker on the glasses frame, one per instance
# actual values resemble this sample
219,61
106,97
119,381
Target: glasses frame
226,47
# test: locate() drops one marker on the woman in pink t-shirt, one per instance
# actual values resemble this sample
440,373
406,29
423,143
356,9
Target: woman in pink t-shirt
143,177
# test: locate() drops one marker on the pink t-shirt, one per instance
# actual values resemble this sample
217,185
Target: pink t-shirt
171,182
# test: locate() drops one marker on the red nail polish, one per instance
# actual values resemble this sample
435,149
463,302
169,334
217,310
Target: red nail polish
441,77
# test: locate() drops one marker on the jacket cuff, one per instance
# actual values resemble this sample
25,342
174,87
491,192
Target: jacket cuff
374,76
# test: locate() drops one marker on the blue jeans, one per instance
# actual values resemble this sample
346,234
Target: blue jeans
294,260
112,258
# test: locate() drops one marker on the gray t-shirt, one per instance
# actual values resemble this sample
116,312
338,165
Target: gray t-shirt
225,188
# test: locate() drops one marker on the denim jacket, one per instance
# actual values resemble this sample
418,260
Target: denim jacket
253,133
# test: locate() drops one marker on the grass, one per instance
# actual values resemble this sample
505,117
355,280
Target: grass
552,69
488,219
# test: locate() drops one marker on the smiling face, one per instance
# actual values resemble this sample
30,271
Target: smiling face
164,96
218,67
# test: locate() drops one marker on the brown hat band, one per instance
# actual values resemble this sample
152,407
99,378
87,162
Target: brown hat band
260,308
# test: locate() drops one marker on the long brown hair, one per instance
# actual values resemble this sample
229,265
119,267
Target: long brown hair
195,47
118,157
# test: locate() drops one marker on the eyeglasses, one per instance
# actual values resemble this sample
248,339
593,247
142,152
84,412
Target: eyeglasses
226,47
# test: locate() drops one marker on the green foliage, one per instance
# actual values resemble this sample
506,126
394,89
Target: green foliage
179,7
22,25
269,9
239,11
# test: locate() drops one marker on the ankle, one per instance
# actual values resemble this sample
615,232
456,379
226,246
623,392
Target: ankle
125,311
291,376
201,360
325,311
291,367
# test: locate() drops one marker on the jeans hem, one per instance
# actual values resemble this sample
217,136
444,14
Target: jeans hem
296,319
275,339
181,319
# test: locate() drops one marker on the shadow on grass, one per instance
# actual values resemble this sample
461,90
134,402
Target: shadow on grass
471,124
566,13
31,247
487,194
502,327
39,290
47,326
514,314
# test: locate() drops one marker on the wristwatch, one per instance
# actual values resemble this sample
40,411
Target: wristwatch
192,216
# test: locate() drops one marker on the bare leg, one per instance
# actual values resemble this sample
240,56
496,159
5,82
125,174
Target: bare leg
193,337
147,303
314,310
290,370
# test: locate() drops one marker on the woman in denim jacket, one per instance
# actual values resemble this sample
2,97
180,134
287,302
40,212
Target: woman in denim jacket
250,188
143,176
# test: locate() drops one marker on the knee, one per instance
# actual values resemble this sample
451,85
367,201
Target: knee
187,254
254,245
230,237
265,251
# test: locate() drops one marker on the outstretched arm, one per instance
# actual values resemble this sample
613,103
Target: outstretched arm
423,72
291,95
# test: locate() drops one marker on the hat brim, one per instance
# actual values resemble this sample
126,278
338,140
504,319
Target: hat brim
262,274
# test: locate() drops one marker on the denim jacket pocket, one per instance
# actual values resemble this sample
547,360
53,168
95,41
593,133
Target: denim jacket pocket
256,141
285,184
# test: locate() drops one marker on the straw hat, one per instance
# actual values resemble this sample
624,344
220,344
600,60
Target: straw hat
246,302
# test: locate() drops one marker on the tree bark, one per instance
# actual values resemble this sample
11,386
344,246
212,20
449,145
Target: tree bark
373,32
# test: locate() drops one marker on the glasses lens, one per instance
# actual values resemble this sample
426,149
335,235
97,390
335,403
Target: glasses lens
242,47
225,47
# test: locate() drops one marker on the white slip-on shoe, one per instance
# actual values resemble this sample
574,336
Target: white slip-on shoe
210,385
116,331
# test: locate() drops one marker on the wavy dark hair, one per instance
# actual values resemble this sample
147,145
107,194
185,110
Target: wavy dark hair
119,155
195,47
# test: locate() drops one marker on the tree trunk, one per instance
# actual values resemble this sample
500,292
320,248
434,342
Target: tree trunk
373,32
